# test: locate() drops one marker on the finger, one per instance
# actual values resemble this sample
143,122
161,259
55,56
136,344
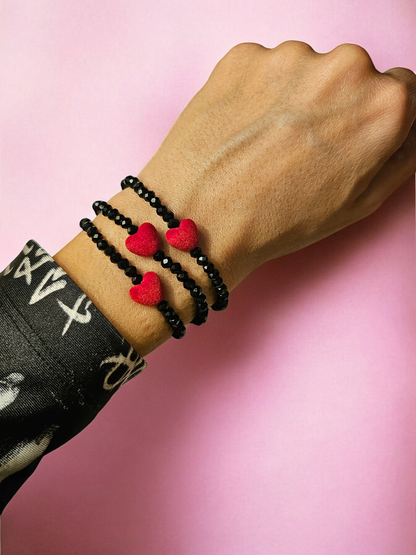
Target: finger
408,77
395,171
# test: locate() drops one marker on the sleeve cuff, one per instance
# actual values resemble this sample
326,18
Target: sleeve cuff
61,361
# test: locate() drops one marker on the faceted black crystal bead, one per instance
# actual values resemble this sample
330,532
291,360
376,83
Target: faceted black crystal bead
217,282
112,213
221,288
159,256
167,216
169,313
197,251
172,319
219,306
201,318
137,279
208,267
85,224
175,317
115,257
214,274
148,195
167,262
118,219
130,271
140,190
179,333
173,223
196,291
201,260
132,229
138,184
96,237
175,268
155,202
123,264
177,326
126,223
182,276
162,306
106,209
161,210
96,206
128,181
91,231
102,245
189,283
109,250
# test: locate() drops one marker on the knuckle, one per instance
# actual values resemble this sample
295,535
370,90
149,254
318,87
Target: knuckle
237,58
352,53
295,47
244,49
396,99
399,93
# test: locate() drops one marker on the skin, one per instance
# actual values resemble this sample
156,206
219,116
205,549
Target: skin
280,148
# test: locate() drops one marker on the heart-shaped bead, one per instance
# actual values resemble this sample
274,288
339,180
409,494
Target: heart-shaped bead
145,242
149,292
184,237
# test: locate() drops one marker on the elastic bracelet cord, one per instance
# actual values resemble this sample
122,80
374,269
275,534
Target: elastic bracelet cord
166,262
172,223
130,271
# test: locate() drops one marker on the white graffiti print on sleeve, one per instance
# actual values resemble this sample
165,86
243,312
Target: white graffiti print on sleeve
26,268
123,368
73,314
25,452
52,282
9,389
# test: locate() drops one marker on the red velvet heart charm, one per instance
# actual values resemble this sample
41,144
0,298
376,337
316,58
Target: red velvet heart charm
184,237
149,292
145,242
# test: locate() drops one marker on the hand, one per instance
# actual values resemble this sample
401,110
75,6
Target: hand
279,149
283,147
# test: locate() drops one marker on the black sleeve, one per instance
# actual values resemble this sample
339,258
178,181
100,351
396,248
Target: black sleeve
60,362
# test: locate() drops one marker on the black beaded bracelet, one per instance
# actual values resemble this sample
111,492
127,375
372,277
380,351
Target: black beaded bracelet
172,223
166,262
130,271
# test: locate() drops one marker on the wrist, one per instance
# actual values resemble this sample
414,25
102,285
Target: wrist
225,247
142,326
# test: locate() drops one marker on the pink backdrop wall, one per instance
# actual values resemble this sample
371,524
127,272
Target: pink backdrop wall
286,425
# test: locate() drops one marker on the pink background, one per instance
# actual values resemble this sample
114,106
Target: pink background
285,425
